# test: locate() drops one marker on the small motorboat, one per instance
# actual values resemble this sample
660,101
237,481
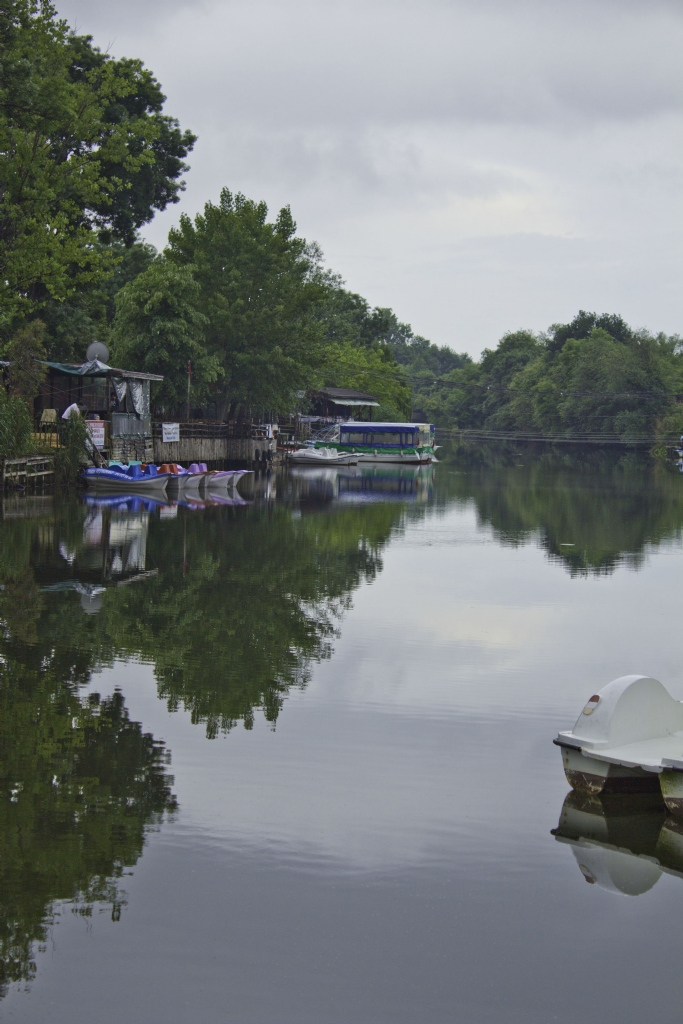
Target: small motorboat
627,739
133,479
322,457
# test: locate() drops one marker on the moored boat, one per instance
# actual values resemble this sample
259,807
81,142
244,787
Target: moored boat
133,479
222,478
314,456
627,739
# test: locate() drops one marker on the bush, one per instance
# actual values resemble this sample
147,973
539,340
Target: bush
15,427
70,459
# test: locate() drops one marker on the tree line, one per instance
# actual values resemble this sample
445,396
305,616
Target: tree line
89,157
595,376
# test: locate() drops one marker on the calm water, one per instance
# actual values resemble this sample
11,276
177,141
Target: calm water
290,762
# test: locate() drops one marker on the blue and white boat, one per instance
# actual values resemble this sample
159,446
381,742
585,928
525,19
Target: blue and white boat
405,443
133,479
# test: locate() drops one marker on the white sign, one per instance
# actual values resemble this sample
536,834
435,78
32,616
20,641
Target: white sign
170,431
96,430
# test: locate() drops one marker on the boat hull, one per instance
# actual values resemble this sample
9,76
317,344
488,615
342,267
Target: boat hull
313,457
366,456
109,482
398,459
226,477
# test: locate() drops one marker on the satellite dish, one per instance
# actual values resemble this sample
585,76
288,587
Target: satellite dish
96,350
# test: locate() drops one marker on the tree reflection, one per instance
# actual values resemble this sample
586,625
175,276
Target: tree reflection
591,518
244,603
79,785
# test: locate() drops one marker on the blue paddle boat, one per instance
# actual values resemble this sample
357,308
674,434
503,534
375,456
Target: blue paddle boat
133,479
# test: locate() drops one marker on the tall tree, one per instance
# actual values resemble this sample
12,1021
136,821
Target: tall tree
86,150
159,328
259,289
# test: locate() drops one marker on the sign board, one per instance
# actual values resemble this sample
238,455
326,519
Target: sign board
170,431
96,430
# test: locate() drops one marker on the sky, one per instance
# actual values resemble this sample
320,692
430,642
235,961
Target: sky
479,166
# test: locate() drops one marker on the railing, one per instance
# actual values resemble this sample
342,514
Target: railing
48,437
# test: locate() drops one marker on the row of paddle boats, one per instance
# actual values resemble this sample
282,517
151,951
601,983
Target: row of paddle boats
141,478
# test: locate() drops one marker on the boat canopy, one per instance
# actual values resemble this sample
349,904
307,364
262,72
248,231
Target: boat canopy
384,428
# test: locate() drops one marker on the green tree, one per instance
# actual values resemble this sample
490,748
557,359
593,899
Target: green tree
158,328
577,379
86,149
87,315
371,369
25,354
258,289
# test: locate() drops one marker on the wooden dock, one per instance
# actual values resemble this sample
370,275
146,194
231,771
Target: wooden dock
31,469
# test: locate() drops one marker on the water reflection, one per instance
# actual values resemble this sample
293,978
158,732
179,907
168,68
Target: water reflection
621,843
324,484
231,606
80,785
590,517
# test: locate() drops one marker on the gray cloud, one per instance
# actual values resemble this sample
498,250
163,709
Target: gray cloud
474,165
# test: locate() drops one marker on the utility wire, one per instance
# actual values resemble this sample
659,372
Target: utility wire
404,377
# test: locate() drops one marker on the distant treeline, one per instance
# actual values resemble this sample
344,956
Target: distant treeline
595,376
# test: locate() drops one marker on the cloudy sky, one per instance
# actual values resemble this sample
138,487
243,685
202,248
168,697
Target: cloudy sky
477,165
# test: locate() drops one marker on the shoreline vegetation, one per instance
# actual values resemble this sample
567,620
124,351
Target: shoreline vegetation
90,156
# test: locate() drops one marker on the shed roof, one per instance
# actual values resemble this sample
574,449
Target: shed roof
346,396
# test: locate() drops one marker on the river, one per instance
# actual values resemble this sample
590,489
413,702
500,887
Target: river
289,760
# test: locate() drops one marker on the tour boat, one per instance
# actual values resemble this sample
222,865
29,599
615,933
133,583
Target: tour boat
627,739
406,443
322,456
133,479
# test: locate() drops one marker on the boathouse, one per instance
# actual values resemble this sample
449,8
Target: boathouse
116,403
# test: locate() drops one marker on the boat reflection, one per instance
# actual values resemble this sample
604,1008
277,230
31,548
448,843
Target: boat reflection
621,843
363,483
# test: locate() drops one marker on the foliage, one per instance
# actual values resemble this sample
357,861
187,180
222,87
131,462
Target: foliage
258,290
86,149
372,370
71,457
26,372
87,315
15,426
159,329
577,379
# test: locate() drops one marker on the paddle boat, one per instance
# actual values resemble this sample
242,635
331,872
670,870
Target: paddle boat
311,456
136,478
185,479
627,739
222,478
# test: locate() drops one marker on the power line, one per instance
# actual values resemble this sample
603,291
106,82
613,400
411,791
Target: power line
453,434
